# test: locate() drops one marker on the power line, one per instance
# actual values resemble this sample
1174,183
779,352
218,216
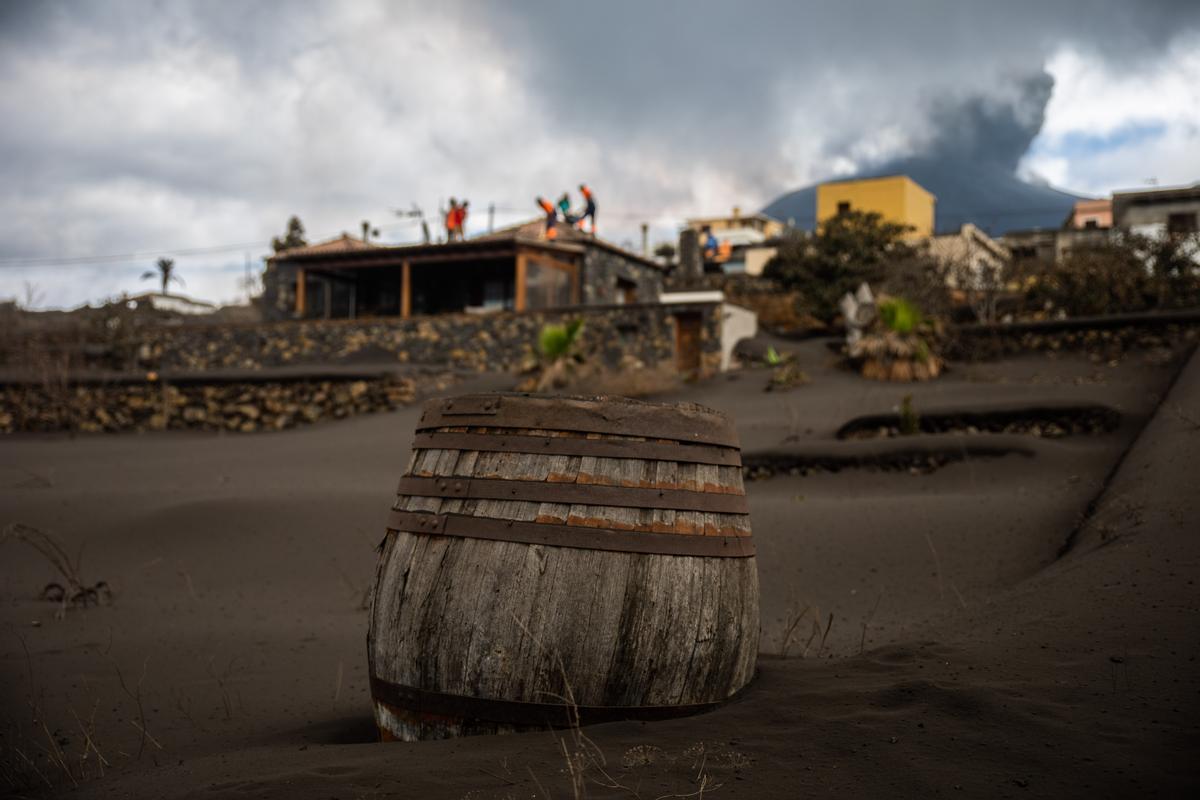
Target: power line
69,261
531,211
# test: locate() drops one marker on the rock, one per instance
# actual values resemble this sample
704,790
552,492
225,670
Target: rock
248,411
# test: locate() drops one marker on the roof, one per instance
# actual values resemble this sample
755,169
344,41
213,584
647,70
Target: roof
341,244
1165,195
173,302
725,217
876,179
570,240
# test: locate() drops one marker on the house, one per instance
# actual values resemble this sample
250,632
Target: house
515,269
747,242
971,254
1087,214
1174,211
898,198
739,228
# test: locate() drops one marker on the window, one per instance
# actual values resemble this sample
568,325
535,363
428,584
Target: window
546,286
1181,224
626,291
1091,223
843,208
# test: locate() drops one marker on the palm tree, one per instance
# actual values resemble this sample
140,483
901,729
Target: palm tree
165,272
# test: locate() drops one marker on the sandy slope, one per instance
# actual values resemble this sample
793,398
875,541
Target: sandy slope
994,666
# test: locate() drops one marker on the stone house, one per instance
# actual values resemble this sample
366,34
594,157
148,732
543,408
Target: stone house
515,269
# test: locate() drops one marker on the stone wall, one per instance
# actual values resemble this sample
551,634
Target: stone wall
615,335
602,268
237,407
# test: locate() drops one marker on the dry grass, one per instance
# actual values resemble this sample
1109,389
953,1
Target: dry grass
38,755
74,591
585,764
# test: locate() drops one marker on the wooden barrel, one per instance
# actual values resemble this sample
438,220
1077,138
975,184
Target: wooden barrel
554,560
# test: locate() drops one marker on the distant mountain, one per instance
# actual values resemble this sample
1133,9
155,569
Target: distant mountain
988,195
970,166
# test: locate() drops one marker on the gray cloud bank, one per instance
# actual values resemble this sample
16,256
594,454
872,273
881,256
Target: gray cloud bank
139,126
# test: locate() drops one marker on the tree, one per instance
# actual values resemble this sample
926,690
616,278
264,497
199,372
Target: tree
847,249
665,251
1128,272
164,271
293,238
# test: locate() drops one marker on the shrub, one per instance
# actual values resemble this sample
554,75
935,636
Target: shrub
556,341
899,315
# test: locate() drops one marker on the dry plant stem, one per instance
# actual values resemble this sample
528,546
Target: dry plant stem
538,783
137,699
828,625
958,594
49,548
56,755
89,743
498,776
33,766
937,565
791,629
866,623
221,680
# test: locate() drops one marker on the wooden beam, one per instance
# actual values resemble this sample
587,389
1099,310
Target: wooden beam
521,278
300,293
405,290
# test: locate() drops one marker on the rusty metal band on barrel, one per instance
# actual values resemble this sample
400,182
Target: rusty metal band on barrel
573,536
564,415
573,446
574,493
519,712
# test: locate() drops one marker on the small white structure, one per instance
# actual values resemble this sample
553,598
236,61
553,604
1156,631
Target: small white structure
173,303
737,323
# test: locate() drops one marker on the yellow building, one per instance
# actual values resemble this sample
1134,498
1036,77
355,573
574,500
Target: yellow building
897,197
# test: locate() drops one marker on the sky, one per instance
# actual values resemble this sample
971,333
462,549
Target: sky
136,130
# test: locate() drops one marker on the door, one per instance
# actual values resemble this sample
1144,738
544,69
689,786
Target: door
687,341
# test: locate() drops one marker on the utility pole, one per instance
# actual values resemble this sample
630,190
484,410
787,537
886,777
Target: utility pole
249,282
491,216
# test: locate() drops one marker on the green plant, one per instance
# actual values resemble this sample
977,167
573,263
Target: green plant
899,315
910,420
555,341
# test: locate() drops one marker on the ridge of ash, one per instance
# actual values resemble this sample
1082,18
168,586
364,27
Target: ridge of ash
1043,422
915,458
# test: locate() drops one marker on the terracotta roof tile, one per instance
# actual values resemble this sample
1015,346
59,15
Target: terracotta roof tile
342,244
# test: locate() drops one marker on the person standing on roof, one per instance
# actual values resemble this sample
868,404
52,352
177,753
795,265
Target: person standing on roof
589,212
451,219
461,222
551,217
564,208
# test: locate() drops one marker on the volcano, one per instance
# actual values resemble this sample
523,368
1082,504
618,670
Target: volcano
970,166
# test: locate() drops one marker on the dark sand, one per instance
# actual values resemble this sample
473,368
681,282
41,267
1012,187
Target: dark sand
964,653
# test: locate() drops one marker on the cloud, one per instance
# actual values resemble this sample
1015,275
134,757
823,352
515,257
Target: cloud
1116,126
145,128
